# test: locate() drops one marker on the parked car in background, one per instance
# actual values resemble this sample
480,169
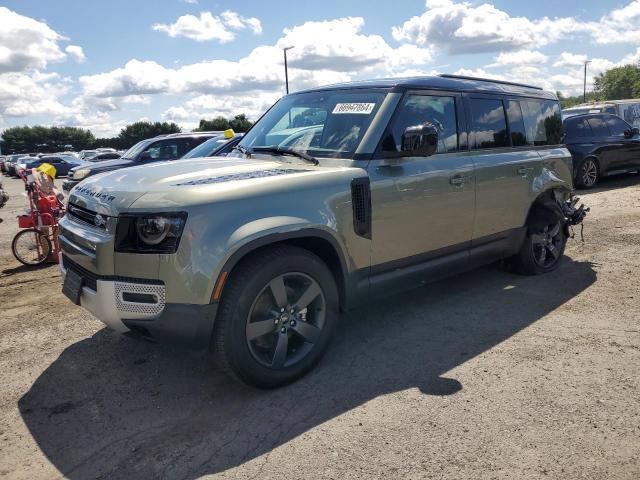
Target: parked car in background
162,147
393,183
11,164
2,159
102,156
61,163
219,146
628,110
601,144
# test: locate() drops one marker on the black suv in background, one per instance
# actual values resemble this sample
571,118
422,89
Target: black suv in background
601,144
160,148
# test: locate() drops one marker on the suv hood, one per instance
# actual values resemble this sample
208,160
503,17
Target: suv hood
106,165
171,185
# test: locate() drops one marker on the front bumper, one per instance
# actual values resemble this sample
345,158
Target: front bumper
68,184
110,300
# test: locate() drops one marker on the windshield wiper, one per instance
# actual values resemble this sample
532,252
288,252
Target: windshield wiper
287,151
243,150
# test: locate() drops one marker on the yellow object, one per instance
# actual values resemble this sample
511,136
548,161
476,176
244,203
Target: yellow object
229,133
47,169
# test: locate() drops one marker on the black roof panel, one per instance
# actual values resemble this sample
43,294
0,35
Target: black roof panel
454,83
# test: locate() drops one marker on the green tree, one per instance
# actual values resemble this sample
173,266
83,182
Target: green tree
239,123
218,123
45,139
619,83
132,134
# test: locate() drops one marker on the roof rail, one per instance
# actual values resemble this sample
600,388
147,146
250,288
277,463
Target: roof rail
463,77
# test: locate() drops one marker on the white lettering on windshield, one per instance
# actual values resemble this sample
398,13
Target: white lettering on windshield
363,108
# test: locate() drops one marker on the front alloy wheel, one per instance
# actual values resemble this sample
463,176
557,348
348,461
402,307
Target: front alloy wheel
276,316
285,320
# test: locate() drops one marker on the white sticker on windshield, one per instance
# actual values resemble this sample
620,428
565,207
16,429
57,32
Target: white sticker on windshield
364,108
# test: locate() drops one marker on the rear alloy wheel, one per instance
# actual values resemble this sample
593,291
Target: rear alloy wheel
542,251
276,316
588,173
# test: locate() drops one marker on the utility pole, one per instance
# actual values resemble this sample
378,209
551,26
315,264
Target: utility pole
286,71
584,91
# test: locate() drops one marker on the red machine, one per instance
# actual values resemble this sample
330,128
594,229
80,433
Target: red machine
38,242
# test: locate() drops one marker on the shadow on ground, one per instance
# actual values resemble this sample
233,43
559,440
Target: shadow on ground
112,407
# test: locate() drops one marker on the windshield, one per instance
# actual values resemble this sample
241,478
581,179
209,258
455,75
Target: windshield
322,124
134,151
207,148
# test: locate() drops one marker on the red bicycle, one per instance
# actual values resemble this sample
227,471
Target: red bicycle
38,243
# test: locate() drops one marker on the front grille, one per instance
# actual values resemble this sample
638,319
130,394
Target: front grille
90,278
87,216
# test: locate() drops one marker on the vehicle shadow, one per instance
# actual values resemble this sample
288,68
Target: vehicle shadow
112,407
617,181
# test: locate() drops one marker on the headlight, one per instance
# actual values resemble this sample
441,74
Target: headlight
81,173
150,233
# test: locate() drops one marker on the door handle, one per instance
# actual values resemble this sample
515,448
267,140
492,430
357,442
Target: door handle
524,171
459,180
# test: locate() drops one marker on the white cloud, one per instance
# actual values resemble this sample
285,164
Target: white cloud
26,43
621,25
209,27
237,22
566,59
325,52
520,57
76,52
134,78
23,95
465,28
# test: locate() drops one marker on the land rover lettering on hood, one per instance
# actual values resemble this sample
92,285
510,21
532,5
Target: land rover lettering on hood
337,195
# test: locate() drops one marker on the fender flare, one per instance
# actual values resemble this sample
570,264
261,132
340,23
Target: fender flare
343,282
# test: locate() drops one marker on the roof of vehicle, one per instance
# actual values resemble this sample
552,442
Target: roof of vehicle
445,82
189,134
590,115
607,103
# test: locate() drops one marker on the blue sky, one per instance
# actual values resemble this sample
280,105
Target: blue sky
100,65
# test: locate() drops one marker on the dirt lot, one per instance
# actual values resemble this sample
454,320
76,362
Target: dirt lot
486,375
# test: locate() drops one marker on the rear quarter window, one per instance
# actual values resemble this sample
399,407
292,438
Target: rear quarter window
543,121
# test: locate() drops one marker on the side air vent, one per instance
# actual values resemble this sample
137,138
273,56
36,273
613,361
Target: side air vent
361,202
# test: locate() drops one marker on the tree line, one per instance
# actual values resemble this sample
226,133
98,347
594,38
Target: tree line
57,139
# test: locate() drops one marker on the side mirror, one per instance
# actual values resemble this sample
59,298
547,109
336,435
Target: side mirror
420,140
144,156
631,132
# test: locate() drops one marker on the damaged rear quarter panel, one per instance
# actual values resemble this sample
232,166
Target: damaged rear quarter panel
555,172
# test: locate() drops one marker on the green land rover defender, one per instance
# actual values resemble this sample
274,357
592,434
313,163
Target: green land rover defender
337,195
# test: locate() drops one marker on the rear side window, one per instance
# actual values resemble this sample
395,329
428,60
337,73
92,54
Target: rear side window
577,129
543,122
617,126
516,124
418,109
598,127
488,124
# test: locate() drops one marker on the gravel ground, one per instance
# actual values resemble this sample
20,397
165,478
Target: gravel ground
485,375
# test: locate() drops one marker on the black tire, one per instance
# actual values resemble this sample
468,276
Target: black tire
588,173
250,297
31,241
541,251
